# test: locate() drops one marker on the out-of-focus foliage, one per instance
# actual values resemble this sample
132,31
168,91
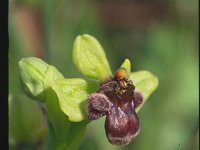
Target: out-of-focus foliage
165,43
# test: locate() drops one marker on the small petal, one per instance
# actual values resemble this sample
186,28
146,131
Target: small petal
127,66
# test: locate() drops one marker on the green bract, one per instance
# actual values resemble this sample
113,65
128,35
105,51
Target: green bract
89,57
66,99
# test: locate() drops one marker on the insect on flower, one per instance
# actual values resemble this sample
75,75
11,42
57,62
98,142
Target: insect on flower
117,100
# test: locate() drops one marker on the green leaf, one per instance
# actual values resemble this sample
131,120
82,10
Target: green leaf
33,71
145,82
89,57
72,95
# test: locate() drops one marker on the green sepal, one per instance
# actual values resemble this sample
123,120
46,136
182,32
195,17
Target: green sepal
145,83
89,57
33,72
72,95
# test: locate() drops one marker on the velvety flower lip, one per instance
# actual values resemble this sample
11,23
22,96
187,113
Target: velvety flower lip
117,99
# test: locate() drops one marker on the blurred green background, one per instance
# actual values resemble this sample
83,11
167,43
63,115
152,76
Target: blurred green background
159,36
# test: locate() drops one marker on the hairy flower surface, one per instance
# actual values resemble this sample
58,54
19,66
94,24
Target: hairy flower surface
117,99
